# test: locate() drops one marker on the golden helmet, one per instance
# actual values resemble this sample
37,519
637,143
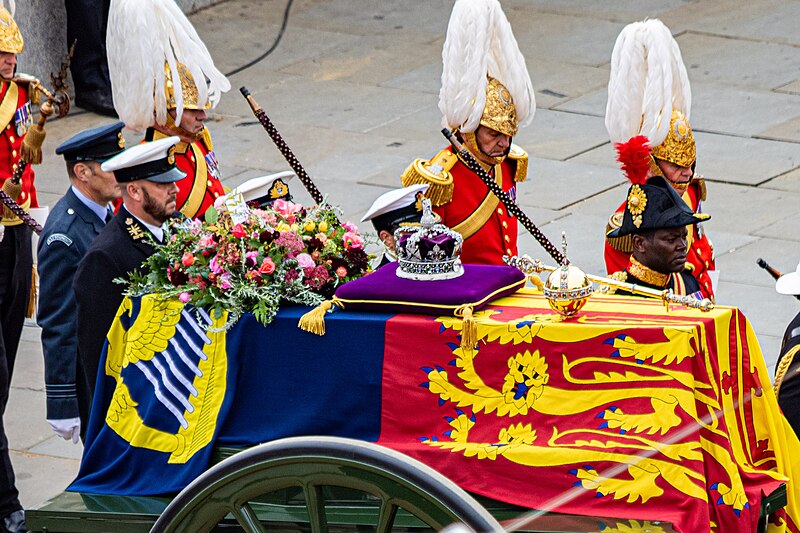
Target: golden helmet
188,88
678,148
499,113
567,289
10,37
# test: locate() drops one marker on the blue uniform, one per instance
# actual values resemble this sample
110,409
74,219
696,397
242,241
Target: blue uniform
69,231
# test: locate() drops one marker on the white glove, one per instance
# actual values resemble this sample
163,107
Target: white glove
67,428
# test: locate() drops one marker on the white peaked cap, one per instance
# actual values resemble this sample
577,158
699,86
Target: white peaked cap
255,188
394,199
153,161
789,283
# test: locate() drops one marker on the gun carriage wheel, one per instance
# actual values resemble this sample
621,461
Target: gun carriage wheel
394,484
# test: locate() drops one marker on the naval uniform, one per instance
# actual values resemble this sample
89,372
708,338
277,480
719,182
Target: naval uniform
69,232
789,392
470,208
201,186
120,248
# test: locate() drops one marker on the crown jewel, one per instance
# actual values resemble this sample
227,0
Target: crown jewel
429,251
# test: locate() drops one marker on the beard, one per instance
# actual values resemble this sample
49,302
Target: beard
156,210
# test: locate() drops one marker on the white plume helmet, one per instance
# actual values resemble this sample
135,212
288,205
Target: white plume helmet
648,80
479,42
142,36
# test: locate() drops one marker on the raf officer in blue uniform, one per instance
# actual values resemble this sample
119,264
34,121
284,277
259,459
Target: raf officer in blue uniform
72,226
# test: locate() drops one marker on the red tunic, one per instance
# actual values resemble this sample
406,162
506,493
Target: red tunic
488,229
202,185
15,119
700,254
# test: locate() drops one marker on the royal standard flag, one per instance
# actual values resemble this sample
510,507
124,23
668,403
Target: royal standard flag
624,411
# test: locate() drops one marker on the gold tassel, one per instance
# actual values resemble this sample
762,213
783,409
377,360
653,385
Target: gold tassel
32,299
13,190
31,150
314,320
536,281
469,329
440,190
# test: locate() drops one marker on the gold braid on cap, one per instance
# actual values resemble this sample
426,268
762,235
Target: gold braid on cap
188,88
10,36
679,147
499,113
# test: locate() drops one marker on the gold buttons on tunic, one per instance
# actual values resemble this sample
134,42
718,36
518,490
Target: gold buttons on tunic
11,138
499,210
505,224
508,251
208,183
507,238
13,153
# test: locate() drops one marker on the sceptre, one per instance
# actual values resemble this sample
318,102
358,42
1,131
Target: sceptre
529,266
31,152
510,205
262,117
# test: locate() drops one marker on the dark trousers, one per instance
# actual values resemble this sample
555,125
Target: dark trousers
87,21
16,263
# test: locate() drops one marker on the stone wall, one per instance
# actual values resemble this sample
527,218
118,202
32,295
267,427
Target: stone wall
44,29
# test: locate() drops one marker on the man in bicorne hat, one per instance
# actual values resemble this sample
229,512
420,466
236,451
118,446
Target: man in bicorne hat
673,154
486,95
74,223
390,211
655,219
148,178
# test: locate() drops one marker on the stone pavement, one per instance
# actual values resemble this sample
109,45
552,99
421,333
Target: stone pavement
353,88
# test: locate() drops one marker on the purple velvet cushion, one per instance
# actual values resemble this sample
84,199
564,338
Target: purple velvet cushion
384,291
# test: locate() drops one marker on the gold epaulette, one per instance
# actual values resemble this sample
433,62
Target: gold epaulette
701,188
623,244
32,85
521,157
435,173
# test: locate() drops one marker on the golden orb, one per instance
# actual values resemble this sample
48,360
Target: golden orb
567,289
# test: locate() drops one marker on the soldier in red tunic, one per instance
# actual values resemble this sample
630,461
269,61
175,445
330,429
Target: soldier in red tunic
195,153
673,155
486,95
16,255
164,79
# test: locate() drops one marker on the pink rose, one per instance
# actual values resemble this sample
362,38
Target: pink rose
304,260
224,281
287,209
187,259
352,240
238,231
267,266
350,227
185,297
341,272
214,265
206,241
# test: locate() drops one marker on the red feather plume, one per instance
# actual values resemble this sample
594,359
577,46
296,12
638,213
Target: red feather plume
635,158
